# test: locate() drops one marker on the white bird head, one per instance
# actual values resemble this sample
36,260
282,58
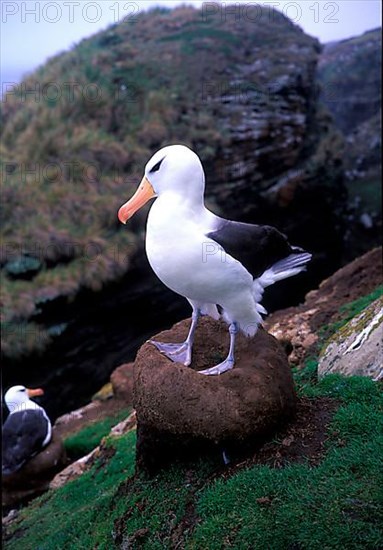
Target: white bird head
173,169
18,397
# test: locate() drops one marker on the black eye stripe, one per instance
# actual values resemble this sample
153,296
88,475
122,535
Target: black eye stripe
156,167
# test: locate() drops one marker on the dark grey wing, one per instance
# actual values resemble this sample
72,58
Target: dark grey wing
23,436
257,247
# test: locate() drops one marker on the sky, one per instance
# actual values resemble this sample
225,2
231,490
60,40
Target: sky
32,31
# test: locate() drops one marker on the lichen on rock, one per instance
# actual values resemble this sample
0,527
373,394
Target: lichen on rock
356,348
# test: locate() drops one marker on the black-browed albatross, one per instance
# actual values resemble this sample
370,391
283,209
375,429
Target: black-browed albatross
26,431
207,259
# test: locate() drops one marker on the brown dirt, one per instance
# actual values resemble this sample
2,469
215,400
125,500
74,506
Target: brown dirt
301,440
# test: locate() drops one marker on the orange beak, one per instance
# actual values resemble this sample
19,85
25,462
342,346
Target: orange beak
144,193
35,393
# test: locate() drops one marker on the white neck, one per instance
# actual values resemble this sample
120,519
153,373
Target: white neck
22,406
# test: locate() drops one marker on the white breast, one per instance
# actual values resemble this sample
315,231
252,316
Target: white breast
184,258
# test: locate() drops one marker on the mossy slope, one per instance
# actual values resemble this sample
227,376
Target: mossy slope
334,503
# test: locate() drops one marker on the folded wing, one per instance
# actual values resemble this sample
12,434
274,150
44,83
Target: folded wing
23,436
257,247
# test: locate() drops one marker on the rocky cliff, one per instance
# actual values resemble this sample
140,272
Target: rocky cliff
349,72
351,79
78,295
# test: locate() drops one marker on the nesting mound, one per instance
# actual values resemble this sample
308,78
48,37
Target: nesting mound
180,411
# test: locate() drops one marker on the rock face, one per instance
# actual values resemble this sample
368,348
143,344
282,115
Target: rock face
122,382
351,81
180,411
356,349
350,78
34,477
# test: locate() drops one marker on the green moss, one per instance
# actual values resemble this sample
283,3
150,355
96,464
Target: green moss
355,326
356,389
336,504
88,438
353,308
306,375
80,514
350,310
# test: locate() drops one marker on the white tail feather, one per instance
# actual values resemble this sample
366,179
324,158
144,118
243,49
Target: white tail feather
289,266
292,265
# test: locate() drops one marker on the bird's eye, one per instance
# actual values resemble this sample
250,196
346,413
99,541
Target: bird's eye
23,389
156,167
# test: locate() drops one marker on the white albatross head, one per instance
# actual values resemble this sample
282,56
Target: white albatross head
18,398
174,169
